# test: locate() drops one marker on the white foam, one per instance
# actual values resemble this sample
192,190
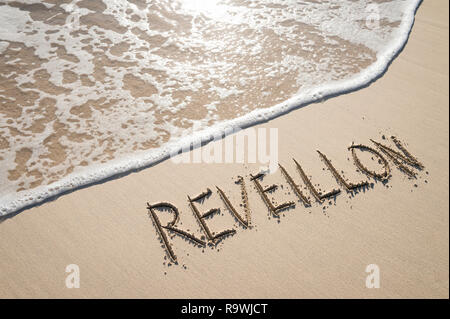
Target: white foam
3,46
14,201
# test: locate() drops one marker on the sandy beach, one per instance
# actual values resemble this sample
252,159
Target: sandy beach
321,251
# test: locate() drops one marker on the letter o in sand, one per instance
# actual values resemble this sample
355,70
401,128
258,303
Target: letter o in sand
387,169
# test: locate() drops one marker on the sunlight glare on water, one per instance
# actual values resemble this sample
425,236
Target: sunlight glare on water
213,9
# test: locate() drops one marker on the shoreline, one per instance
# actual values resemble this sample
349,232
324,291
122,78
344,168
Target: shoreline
101,173
307,252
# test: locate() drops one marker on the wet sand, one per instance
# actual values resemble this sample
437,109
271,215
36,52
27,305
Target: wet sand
308,252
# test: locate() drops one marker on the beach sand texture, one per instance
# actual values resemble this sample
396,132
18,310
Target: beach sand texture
309,252
91,89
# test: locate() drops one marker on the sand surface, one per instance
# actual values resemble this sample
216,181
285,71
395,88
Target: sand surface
309,252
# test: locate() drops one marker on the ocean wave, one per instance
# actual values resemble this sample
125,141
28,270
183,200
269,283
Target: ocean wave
91,89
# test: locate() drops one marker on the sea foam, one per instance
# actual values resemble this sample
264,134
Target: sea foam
92,89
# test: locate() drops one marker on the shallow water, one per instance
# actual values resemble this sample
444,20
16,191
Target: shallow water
90,88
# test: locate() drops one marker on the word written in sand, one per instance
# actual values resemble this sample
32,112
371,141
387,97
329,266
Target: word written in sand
384,154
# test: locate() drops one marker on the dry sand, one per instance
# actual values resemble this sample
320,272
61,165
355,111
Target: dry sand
306,253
